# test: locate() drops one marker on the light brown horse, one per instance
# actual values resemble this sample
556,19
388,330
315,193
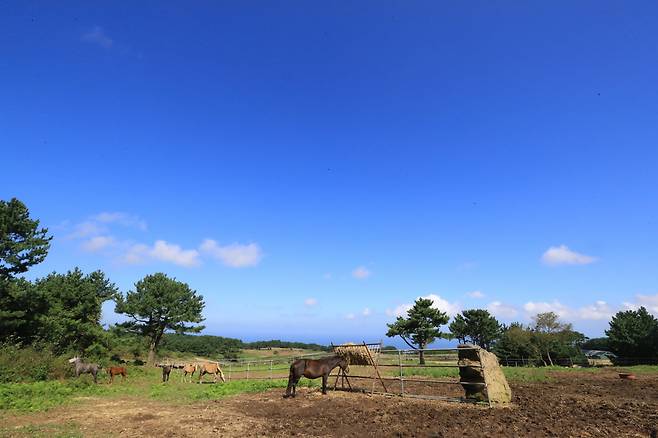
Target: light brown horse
115,371
312,369
189,368
211,368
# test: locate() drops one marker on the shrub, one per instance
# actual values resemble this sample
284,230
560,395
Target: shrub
30,364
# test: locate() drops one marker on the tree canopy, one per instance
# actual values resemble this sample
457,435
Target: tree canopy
22,242
421,326
477,326
633,333
73,303
160,303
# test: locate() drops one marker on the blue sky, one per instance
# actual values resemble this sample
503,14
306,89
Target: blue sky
312,168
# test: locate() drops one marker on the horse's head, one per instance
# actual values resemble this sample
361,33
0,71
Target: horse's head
74,359
344,365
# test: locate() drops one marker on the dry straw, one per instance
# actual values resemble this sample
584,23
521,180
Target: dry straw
355,354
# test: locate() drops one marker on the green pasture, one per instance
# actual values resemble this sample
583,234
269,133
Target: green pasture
147,382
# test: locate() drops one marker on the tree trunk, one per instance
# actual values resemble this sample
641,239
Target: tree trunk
421,352
151,358
548,353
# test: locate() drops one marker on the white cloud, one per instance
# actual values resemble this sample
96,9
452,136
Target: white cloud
350,316
533,308
501,310
437,302
175,254
97,36
367,312
125,219
361,273
598,310
87,229
98,243
163,251
310,302
234,255
475,294
327,276
650,302
562,255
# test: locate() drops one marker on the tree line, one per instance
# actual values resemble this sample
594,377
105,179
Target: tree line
62,311
632,334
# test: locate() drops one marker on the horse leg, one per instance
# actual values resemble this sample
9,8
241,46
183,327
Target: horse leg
324,383
221,376
291,379
94,372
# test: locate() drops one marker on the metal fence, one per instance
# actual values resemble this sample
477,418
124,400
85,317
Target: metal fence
396,372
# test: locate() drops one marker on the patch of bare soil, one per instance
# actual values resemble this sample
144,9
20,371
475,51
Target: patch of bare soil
574,405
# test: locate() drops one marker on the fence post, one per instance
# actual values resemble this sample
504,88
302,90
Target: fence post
247,370
230,368
401,375
271,369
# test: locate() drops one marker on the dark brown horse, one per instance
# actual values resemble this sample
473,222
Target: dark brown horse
312,369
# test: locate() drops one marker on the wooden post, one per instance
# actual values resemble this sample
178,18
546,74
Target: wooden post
247,370
376,370
401,375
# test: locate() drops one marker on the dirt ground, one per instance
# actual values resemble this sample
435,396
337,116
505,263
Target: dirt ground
573,405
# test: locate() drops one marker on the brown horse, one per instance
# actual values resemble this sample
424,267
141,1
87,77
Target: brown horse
211,368
115,371
190,369
312,369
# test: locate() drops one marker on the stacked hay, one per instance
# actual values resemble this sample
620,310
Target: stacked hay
477,365
355,354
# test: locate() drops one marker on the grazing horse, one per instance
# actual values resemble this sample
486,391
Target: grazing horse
188,369
166,369
84,368
312,369
211,368
115,371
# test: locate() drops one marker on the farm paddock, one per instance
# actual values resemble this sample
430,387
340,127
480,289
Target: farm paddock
573,403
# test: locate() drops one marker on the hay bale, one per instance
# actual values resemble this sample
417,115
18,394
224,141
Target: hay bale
355,354
477,366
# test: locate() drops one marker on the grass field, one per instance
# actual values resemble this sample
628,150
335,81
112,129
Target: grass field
146,382
141,382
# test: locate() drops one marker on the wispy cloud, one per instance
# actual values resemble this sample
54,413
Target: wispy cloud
597,311
350,316
162,251
502,310
437,302
98,243
310,302
366,312
98,37
124,219
650,302
562,255
234,255
475,294
361,273
535,307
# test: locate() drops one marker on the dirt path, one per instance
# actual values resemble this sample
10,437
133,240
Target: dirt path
575,404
